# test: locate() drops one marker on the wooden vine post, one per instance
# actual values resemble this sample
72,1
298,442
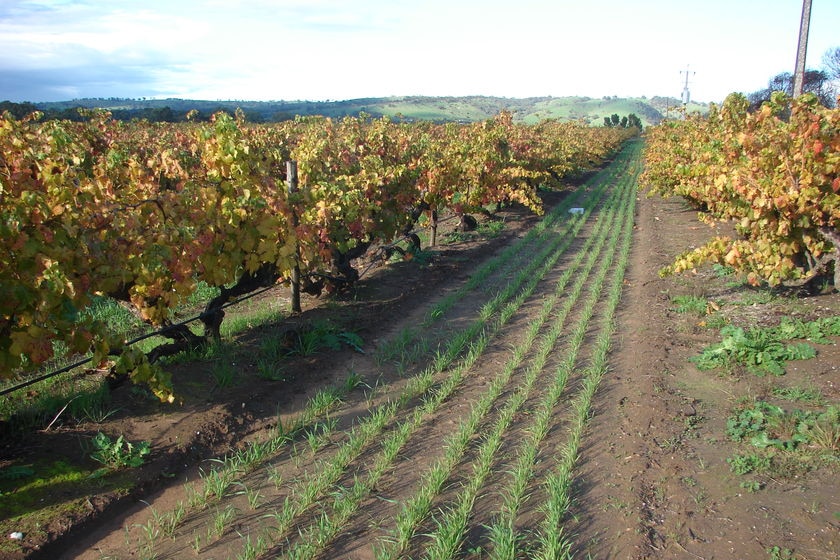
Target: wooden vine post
433,215
292,184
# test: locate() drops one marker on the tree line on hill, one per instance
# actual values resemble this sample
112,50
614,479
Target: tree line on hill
152,114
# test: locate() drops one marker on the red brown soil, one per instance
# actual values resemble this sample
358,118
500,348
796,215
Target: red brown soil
652,479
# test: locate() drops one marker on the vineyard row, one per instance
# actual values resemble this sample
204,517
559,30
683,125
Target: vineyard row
774,174
144,213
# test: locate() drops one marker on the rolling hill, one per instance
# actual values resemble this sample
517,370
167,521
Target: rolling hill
460,109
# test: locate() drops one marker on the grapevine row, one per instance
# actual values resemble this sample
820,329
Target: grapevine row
144,212
774,173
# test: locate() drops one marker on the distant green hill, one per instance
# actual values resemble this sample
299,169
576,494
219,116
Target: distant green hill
459,109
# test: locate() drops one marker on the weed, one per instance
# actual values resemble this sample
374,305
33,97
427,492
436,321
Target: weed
722,271
272,351
109,312
92,406
491,228
760,350
777,553
767,425
745,464
223,373
421,257
671,444
324,335
394,348
690,304
803,394
485,230
269,370
116,454
353,381
16,472
751,485
825,430
814,508
203,293
757,297
715,321
816,331
750,420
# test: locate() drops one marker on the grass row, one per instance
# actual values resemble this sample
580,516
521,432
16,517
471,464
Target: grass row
553,542
452,522
451,525
504,540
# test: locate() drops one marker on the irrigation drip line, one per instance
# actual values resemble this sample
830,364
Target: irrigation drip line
158,332
163,330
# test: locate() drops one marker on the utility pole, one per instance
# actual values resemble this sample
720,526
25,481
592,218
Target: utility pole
802,49
686,95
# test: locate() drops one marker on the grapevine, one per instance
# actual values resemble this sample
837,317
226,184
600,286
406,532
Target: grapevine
773,174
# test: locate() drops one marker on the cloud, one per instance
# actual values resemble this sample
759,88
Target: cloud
317,49
72,82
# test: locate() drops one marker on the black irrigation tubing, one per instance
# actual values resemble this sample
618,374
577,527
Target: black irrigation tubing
159,332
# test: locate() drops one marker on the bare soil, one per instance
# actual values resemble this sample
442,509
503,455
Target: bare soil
651,480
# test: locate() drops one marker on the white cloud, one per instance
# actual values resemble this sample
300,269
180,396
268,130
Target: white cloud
318,49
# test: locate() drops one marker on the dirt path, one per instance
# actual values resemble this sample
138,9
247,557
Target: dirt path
654,480
509,404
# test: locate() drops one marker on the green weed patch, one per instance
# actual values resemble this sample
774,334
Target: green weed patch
765,350
690,304
766,425
117,454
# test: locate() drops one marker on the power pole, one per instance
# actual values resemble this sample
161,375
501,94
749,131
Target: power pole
686,95
801,50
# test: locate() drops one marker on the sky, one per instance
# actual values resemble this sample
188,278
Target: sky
53,50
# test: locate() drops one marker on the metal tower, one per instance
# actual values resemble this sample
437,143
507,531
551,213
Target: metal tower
686,95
